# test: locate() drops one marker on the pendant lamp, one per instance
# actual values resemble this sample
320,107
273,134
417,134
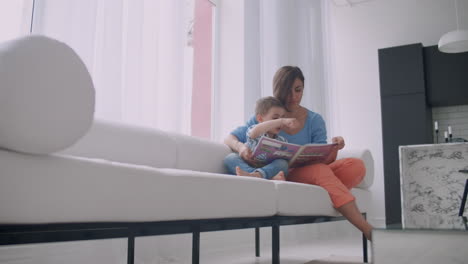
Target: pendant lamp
454,41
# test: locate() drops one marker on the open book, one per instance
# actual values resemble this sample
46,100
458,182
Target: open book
269,149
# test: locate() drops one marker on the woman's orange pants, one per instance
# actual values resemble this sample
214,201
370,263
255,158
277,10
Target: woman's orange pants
337,178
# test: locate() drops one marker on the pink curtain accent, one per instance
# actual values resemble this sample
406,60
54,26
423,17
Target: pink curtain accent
201,93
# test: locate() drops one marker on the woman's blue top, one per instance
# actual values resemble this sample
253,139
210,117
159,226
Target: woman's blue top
314,131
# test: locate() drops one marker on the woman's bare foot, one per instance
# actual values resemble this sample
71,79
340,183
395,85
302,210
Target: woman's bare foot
368,233
241,172
279,176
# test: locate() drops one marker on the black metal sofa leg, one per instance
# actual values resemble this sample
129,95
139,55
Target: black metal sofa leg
364,248
257,241
275,246
131,250
196,247
364,243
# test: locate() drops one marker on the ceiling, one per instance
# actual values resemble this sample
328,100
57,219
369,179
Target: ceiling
349,3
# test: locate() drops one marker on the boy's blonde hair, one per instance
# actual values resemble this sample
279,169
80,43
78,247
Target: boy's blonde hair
264,104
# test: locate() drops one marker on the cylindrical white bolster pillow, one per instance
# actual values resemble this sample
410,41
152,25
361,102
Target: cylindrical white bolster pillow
46,95
366,156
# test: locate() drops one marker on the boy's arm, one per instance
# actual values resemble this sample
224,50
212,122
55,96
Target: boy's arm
264,127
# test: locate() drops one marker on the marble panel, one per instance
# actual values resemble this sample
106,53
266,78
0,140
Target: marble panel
431,184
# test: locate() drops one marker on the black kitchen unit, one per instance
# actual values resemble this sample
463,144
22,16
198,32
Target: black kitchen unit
413,79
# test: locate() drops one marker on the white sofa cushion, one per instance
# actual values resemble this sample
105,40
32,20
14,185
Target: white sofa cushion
124,143
305,199
46,95
200,154
59,189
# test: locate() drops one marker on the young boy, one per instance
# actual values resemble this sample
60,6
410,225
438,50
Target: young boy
269,112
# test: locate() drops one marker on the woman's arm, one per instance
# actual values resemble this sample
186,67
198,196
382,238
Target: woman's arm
318,129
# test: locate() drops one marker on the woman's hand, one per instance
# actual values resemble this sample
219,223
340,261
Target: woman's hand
245,153
339,141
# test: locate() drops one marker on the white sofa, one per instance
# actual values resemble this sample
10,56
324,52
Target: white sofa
116,180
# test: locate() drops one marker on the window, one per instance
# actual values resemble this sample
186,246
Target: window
150,59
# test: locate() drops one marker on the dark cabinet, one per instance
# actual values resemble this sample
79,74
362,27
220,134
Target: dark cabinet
401,70
406,117
446,77
406,120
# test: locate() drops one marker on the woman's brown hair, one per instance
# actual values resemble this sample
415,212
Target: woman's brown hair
283,81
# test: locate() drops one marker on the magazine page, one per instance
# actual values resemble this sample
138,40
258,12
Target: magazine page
269,149
311,154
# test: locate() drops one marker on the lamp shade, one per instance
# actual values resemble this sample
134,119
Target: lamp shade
454,41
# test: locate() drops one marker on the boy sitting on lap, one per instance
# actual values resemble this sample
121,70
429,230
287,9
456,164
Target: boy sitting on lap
269,112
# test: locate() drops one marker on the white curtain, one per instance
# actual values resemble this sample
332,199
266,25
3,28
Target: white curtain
138,52
291,33
15,18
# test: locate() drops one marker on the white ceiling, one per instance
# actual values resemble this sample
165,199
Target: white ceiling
349,3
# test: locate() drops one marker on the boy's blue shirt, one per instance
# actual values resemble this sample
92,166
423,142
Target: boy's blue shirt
314,131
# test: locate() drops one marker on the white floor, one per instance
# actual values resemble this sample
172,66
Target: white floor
339,243
346,250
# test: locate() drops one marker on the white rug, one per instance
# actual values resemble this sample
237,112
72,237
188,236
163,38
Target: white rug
337,260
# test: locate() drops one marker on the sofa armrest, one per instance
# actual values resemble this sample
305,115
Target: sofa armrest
366,156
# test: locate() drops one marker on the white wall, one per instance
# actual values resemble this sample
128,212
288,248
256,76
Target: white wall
356,33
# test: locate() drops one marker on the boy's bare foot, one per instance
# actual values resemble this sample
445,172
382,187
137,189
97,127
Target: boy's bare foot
279,176
241,172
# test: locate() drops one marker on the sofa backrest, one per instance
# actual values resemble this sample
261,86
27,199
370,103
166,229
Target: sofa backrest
156,148
150,147
127,144
199,154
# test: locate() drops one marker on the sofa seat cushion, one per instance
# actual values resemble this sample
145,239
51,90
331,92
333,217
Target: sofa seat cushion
61,189
304,199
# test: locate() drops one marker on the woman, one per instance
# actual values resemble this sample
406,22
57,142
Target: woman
337,177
